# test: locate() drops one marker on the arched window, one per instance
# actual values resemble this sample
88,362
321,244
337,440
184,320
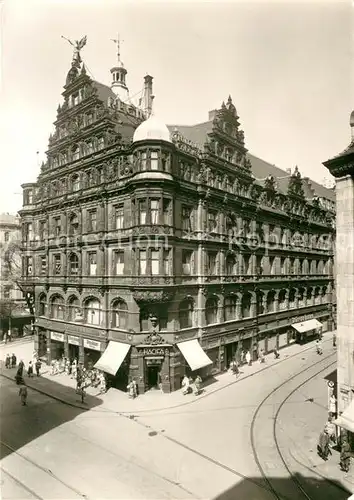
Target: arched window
270,301
42,305
309,296
57,307
211,311
185,313
301,297
292,298
73,264
73,225
306,267
260,303
89,147
93,312
324,295
282,300
320,267
100,142
75,182
230,308
317,295
119,317
230,265
75,153
246,305
74,308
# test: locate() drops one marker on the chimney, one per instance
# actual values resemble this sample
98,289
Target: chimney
288,171
212,114
148,97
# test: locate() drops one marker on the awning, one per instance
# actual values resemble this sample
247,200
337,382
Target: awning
306,326
346,420
194,354
113,357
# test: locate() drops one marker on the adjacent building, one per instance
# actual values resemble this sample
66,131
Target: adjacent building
157,250
342,167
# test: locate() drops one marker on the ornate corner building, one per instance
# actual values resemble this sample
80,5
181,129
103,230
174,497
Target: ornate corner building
146,236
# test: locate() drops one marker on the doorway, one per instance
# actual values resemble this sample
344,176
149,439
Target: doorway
153,378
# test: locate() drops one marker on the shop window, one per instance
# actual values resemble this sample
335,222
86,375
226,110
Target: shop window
119,262
42,309
154,211
186,218
57,307
74,308
119,315
73,225
155,262
186,311
92,220
154,160
119,216
187,256
142,211
93,312
92,263
211,311
43,264
57,264
230,308
73,264
246,305
142,262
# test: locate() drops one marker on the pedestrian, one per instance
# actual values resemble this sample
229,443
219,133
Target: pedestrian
132,389
345,456
21,367
9,338
103,385
30,369
319,347
185,385
198,385
67,367
56,367
243,357
330,429
74,369
323,445
332,406
334,340
13,361
23,395
7,361
248,358
38,367
276,353
261,356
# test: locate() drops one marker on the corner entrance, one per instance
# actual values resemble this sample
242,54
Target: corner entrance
152,373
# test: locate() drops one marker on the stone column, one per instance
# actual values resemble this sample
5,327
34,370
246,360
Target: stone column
165,373
253,309
220,313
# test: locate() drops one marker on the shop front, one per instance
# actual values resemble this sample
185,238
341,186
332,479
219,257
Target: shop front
92,352
41,347
197,359
73,347
115,363
154,363
56,346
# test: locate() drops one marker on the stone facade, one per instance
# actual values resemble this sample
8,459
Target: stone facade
155,242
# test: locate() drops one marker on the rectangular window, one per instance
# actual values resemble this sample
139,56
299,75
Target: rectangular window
187,262
230,265
166,262
167,211
119,216
143,161
119,262
57,226
42,229
142,262
282,266
186,218
57,264
155,262
29,266
92,263
154,160
211,263
154,211
142,211
212,221
6,236
43,264
247,265
92,220
28,231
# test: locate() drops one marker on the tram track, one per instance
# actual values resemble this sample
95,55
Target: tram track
265,406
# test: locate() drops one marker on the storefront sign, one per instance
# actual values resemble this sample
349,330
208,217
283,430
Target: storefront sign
305,317
92,344
154,351
73,340
57,336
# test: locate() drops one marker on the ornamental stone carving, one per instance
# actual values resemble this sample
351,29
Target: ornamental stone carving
153,339
152,296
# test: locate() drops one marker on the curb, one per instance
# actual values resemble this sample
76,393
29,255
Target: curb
204,395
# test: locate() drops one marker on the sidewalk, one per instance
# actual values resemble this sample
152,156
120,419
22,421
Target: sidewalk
62,387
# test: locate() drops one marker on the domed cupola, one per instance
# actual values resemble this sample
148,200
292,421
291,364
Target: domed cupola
152,129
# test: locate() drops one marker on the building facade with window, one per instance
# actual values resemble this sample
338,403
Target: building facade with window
168,241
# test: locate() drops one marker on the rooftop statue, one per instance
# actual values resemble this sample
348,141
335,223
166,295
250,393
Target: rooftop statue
78,45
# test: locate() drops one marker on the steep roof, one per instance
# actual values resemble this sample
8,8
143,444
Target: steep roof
260,168
103,91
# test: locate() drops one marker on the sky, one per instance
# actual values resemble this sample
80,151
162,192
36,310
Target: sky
287,65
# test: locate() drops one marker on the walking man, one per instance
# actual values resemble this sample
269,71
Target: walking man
23,395
30,369
7,361
13,361
248,358
38,367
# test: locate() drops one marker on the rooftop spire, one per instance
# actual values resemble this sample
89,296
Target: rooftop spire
119,85
118,41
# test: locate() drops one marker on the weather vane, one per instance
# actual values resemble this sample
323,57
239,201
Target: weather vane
78,45
117,41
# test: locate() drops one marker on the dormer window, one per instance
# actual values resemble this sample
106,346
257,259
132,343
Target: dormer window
100,143
75,99
89,119
28,197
